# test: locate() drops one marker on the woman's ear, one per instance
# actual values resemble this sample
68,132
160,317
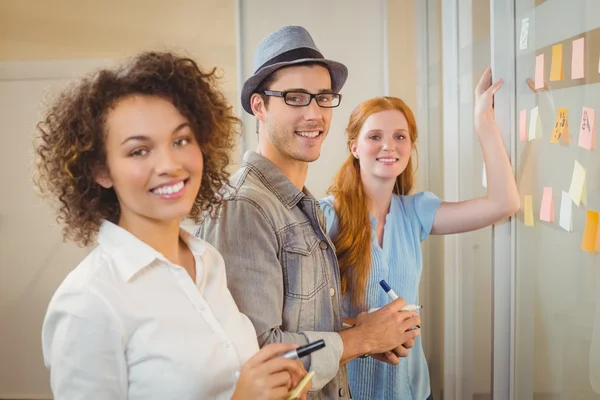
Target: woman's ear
354,150
103,179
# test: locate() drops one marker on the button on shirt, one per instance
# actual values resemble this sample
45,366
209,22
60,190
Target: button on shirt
129,324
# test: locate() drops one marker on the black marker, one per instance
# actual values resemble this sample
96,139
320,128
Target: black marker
304,350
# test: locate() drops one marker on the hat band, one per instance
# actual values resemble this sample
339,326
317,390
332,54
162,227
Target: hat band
292,55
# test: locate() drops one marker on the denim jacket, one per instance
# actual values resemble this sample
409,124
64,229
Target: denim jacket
282,268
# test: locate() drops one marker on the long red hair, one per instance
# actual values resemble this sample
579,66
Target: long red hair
353,239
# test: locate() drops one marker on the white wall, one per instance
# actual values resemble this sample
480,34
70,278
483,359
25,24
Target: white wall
349,31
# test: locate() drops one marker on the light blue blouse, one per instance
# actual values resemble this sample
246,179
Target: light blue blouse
399,262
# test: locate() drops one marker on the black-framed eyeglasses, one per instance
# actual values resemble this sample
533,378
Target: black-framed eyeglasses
301,99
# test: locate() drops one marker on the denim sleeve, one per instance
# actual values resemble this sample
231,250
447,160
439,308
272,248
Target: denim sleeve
247,240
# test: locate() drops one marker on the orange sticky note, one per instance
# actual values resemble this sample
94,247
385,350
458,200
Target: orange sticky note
590,232
528,210
587,132
577,59
547,208
556,68
523,125
539,71
561,127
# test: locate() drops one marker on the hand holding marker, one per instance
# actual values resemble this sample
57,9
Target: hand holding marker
393,296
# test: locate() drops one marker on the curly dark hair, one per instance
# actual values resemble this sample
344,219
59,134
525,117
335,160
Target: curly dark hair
71,150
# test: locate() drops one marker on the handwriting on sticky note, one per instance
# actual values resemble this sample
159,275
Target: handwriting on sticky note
561,127
577,183
547,207
577,59
566,209
528,210
523,125
524,34
539,71
556,68
535,126
587,132
590,232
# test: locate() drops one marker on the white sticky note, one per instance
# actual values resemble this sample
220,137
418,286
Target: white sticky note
535,126
576,191
524,34
566,209
484,177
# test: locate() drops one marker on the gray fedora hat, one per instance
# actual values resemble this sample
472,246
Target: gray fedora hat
287,46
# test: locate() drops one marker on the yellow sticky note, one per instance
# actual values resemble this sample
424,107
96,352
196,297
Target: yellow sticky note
547,208
294,393
590,232
556,69
523,125
577,59
535,125
576,191
528,211
587,132
539,71
561,127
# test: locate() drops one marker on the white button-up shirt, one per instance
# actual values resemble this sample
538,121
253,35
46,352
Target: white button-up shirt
129,324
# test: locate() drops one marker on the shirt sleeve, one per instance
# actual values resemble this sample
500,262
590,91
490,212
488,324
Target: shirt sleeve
255,280
83,347
331,219
424,205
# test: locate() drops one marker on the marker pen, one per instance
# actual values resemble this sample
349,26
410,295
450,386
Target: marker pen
296,354
393,296
305,350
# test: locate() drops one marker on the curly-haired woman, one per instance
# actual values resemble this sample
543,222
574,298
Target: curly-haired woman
127,153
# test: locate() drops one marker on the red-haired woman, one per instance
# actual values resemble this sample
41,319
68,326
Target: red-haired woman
377,225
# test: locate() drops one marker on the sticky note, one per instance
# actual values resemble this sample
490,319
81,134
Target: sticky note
484,177
547,207
587,132
539,71
561,127
577,183
524,34
535,126
577,59
590,232
523,125
566,209
556,68
298,389
528,210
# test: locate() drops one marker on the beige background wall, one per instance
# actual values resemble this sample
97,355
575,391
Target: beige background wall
206,30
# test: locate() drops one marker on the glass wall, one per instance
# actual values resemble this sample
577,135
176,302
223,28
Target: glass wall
557,266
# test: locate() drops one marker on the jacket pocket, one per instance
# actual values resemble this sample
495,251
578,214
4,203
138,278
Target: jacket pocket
303,262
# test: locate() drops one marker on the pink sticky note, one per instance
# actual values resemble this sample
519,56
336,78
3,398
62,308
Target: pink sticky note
577,59
547,208
587,132
539,71
523,125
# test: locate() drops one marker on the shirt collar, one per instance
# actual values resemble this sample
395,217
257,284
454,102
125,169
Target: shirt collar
274,179
135,255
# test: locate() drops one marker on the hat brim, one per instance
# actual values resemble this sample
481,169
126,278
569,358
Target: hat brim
337,71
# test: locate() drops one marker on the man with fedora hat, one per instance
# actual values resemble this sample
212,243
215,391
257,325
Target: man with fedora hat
281,266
